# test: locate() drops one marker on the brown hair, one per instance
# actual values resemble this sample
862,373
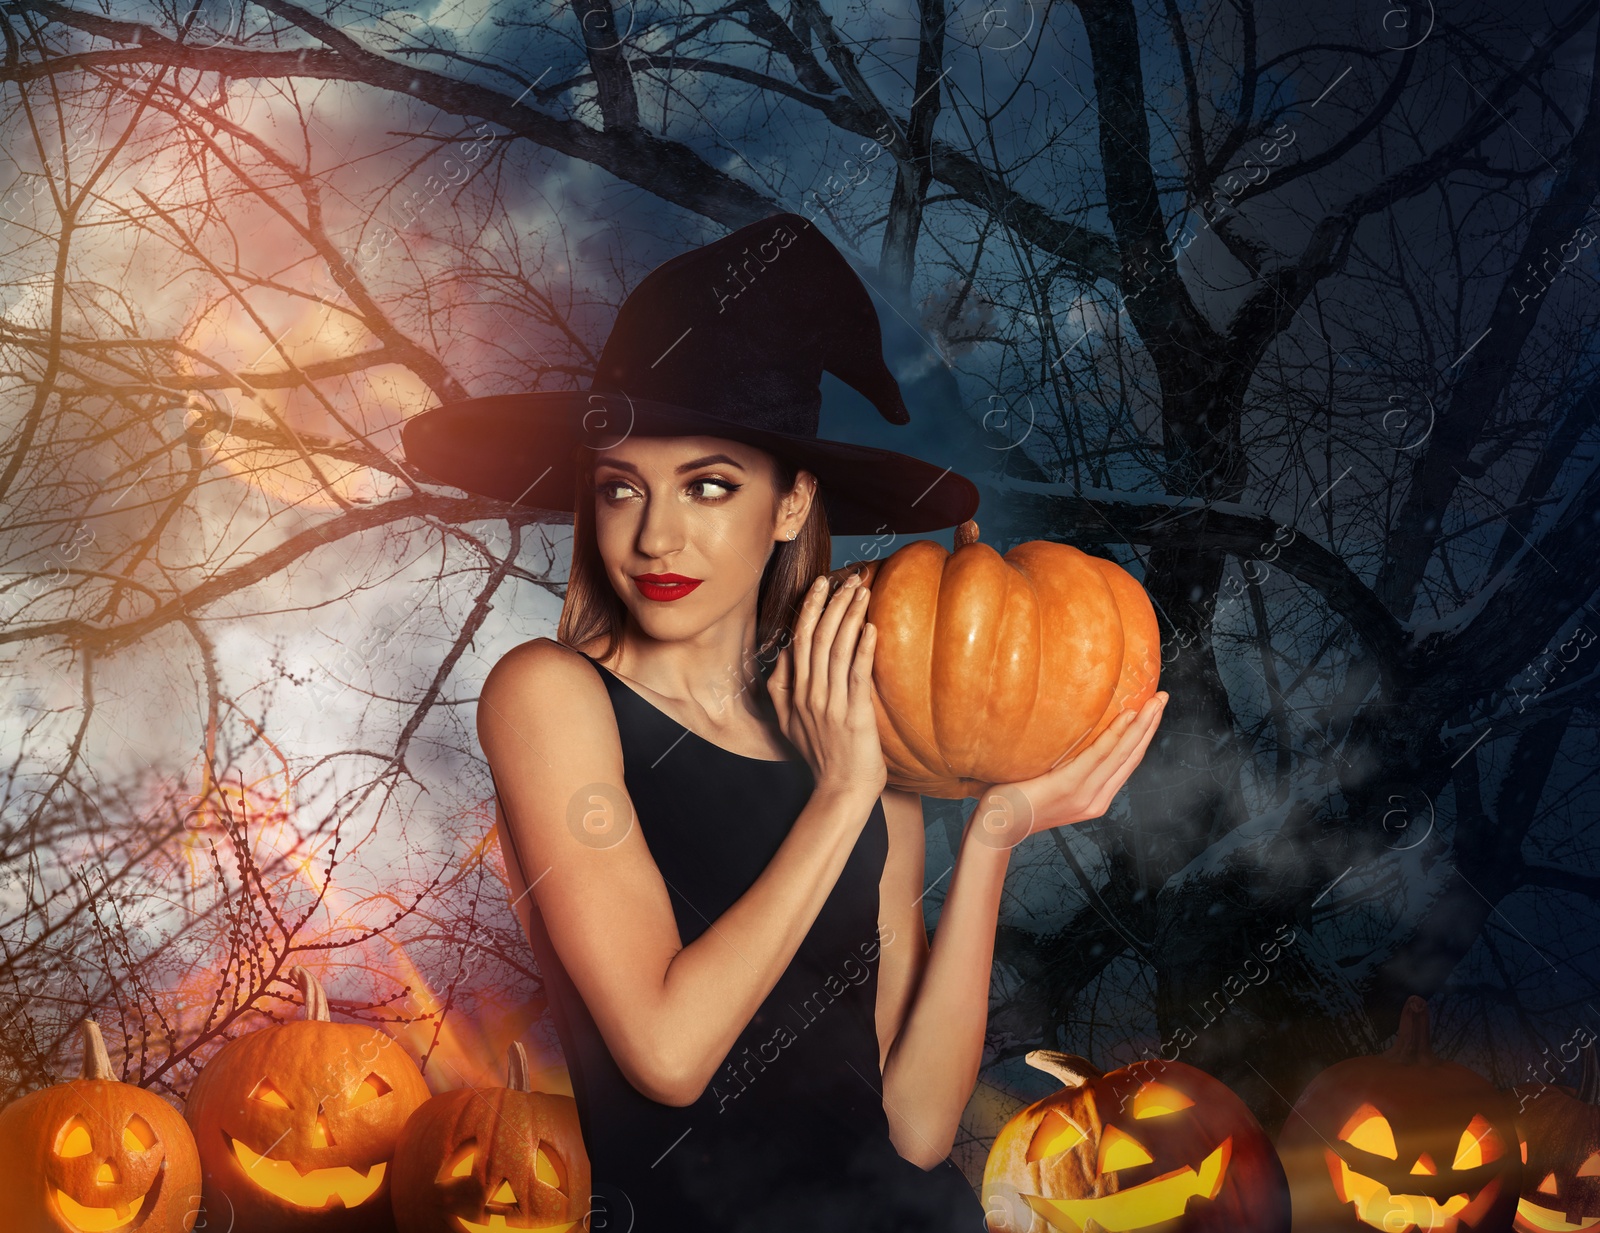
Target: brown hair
592,607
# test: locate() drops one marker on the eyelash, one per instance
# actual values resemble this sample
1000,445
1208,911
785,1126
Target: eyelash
604,487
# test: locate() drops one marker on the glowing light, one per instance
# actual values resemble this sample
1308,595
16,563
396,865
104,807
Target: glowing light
313,1189
1163,1199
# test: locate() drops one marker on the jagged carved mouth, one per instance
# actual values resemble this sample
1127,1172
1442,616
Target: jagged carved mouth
315,1188
497,1221
97,1219
1139,1207
1532,1218
1400,1213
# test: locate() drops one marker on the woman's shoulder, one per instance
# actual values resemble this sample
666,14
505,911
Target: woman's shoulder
545,679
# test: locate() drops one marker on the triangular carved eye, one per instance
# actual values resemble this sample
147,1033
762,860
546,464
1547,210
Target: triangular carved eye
1479,1145
460,1163
369,1088
1120,1150
1057,1133
1368,1130
1591,1166
137,1135
547,1168
73,1139
269,1095
1158,1100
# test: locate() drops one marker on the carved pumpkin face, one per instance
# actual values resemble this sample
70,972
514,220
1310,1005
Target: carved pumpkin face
1560,1132
1156,1145
988,669
481,1159
296,1123
96,1154
1402,1142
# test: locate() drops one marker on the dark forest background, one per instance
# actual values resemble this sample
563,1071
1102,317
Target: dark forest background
1289,309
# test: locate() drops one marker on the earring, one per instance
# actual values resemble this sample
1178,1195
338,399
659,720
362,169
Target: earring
792,534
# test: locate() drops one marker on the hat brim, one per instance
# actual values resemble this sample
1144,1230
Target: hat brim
519,448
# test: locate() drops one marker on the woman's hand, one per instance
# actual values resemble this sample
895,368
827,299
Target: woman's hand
1075,790
821,688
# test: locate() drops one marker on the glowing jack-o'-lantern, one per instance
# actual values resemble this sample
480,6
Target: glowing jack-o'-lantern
1154,1146
991,669
96,1154
1560,1133
1402,1142
296,1123
478,1160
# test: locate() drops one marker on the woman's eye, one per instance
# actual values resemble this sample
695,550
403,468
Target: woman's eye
609,489
727,486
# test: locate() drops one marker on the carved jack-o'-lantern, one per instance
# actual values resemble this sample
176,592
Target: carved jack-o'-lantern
296,1123
1401,1142
1560,1132
991,669
1154,1146
95,1154
481,1159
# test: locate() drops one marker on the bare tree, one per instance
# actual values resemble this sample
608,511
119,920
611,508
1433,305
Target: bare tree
1285,310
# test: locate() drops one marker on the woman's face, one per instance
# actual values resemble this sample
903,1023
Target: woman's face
704,509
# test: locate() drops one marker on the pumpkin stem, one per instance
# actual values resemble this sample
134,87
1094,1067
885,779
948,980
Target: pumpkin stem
316,1000
966,533
1072,1070
518,1076
1411,1042
1589,1085
96,1061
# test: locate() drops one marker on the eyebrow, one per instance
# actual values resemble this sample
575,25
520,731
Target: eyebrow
624,465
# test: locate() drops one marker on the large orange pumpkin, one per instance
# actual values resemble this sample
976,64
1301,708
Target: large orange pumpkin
95,1153
296,1123
992,669
480,1159
1155,1147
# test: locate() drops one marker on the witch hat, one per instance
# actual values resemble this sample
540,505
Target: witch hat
726,340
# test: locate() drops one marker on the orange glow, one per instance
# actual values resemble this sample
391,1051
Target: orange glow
315,1188
263,354
1369,1131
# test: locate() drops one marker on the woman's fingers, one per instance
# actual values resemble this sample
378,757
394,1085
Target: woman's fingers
799,647
822,641
861,670
779,686
846,642
1106,779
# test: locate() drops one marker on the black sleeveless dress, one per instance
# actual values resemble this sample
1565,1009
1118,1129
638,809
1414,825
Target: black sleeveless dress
791,1134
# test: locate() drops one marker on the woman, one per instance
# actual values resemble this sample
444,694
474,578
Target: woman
724,897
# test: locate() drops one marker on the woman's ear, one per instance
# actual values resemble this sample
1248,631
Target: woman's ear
796,505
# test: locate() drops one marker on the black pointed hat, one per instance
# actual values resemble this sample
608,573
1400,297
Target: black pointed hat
727,340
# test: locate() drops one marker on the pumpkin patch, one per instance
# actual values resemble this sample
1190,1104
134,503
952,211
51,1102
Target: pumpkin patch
991,669
1152,1146
96,1154
296,1123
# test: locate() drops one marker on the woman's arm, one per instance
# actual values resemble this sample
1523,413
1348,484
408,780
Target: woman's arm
933,1006
937,1001
669,1013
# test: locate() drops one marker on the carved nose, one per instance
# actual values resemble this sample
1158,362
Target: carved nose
1119,1150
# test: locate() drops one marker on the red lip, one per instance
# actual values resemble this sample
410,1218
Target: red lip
665,586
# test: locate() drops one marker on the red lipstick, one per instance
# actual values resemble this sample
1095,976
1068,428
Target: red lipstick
665,586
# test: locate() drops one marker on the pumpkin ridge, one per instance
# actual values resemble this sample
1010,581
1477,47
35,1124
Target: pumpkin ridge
910,570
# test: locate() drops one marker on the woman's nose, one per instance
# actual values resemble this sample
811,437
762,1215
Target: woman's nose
661,531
